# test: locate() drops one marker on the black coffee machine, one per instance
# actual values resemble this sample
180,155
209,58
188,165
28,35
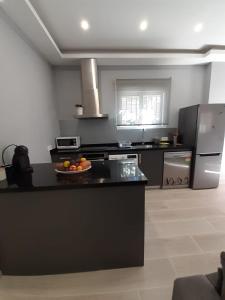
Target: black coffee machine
21,161
21,168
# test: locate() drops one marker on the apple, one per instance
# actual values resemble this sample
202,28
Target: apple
72,168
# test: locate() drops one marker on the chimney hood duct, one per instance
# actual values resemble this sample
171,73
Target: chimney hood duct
90,96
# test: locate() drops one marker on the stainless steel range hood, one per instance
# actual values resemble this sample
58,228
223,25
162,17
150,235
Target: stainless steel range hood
90,95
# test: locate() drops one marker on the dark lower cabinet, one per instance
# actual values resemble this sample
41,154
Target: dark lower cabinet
64,156
151,164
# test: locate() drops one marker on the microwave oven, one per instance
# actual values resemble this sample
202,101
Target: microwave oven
68,142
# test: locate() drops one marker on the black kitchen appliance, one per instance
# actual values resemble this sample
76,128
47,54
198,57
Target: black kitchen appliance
21,161
176,173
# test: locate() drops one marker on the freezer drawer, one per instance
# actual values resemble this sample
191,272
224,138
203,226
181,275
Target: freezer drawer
176,173
207,171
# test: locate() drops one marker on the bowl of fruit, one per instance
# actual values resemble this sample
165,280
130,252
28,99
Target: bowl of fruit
73,167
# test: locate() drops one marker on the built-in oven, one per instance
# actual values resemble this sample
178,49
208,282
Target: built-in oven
96,156
131,157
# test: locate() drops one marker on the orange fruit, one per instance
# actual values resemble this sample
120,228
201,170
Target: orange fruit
85,164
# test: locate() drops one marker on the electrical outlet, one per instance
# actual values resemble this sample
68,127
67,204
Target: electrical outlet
50,147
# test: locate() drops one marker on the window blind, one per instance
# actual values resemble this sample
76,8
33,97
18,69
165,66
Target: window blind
142,101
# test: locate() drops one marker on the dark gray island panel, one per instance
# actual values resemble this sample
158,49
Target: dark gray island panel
151,164
90,227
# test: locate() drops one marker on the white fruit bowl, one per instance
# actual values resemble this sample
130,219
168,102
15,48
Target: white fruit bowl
72,172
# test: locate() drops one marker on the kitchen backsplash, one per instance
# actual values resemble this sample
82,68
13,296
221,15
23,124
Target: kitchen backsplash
105,131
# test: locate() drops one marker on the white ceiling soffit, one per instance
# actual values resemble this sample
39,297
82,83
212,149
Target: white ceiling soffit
29,22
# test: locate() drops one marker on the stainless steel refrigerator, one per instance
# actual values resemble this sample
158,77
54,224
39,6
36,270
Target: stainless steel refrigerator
203,127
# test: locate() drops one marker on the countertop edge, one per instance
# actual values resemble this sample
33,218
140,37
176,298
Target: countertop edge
73,187
97,182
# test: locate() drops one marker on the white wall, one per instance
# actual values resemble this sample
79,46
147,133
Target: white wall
188,87
27,108
217,83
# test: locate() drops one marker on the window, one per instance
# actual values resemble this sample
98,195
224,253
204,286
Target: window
142,102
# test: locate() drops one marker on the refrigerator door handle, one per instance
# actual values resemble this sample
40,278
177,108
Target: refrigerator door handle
209,154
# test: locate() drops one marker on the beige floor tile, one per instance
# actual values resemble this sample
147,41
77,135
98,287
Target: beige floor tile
196,264
191,202
186,198
156,294
155,273
185,194
150,231
182,214
218,223
24,297
158,195
147,217
178,228
155,204
113,296
211,242
132,295
168,247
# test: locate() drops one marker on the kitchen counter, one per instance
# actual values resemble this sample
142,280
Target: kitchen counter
150,156
104,173
115,148
52,224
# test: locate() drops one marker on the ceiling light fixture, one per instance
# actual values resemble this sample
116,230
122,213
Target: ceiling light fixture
84,25
198,27
143,25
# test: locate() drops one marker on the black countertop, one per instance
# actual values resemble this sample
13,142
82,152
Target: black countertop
115,148
102,173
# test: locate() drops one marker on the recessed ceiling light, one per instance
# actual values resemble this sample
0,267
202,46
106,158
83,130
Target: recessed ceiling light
198,27
143,25
84,25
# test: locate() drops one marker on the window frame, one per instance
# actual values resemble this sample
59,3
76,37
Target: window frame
167,94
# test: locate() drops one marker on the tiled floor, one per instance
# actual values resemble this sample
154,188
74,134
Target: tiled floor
185,232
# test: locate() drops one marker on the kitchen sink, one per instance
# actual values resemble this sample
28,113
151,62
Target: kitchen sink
137,147
142,146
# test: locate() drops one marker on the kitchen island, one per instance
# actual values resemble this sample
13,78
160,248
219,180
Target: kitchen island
53,223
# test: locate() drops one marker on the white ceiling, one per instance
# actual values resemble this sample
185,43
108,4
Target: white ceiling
114,24
114,38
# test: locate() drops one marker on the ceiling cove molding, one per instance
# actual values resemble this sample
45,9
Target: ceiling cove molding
42,25
23,13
